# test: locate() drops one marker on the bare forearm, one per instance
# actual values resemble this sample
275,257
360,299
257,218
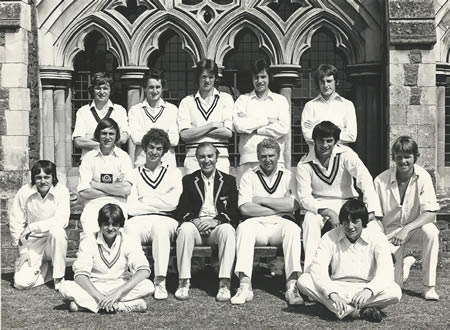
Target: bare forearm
256,210
114,189
85,142
221,132
423,219
86,284
192,133
138,277
283,204
92,193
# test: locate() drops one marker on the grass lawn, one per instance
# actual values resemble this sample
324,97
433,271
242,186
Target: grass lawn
44,308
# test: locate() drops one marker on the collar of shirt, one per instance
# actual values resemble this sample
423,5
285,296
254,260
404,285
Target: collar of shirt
364,235
268,96
335,97
161,164
108,105
101,240
160,104
394,174
50,191
209,180
113,152
274,173
197,95
311,156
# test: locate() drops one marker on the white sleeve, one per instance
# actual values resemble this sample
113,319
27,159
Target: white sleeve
80,127
246,188
136,128
307,123
17,217
350,132
304,188
184,115
281,127
243,123
173,132
86,175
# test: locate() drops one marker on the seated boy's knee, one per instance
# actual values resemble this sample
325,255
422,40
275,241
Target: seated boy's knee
24,280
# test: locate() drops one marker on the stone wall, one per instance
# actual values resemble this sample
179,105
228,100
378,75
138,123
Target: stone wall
19,105
412,76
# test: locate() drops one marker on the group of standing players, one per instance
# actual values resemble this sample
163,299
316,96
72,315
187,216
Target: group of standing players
144,198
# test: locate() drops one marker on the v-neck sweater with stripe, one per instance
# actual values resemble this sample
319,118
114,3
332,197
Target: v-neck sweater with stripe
102,263
315,182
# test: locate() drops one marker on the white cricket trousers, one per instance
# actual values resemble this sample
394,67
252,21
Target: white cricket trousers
72,291
430,249
43,252
312,228
159,230
191,164
188,236
390,295
270,230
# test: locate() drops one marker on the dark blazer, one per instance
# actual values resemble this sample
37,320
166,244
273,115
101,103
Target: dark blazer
225,198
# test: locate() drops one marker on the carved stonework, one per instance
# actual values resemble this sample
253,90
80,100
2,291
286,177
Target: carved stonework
207,28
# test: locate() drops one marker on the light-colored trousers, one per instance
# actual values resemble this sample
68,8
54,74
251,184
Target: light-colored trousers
43,252
191,164
312,228
390,295
430,238
72,291
270,230
159,230
188,236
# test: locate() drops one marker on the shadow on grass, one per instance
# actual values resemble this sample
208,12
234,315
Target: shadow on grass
412,293
8,277
312,309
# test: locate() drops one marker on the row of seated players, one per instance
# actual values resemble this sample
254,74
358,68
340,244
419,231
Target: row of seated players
206,207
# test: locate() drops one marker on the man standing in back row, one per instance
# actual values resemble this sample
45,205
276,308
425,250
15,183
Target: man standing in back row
329,105
101,107
206,116
258,115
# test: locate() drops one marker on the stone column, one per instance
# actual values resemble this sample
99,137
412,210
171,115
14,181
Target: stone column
412,76
285,76
132,77
370,114
57,117
442,75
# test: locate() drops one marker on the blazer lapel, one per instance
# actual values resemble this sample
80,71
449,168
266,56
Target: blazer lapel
200,185
218,183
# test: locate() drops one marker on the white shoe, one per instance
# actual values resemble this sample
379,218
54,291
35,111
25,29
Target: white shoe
407,263
160,291
224,294
242,296
73,307
182,292
293,297
58,282
429,293
137,305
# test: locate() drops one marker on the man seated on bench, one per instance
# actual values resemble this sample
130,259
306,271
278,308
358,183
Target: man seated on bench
39,214
266,199
362,273
325,181
153,197
208,214
102,266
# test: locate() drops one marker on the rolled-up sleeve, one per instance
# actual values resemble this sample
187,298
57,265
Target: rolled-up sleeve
85,260
304,188
427,195
245,188
184,115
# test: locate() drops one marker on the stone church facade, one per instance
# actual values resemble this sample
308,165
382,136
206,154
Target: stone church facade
393,57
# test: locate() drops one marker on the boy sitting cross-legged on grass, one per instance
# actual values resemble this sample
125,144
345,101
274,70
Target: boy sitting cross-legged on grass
102,263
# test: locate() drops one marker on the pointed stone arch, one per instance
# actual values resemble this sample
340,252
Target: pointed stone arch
347,39
72,41
147,41
268,35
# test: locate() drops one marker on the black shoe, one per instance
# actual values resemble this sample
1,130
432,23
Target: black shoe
371,314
